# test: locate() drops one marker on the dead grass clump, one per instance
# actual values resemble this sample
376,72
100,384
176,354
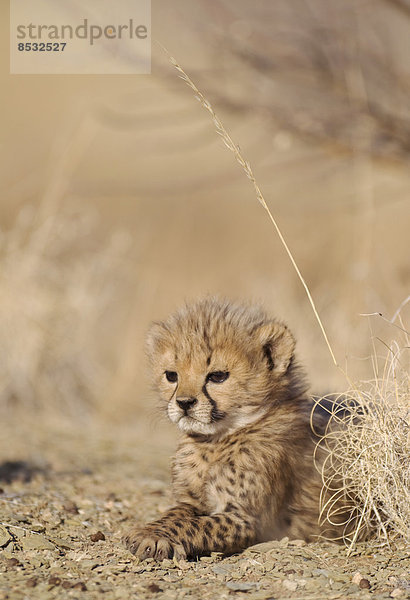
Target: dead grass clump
368,455
58,289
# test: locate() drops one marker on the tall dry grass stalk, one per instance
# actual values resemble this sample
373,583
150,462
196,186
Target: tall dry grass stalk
235,149
368,445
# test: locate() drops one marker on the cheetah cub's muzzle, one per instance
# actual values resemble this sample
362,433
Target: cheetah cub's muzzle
197,413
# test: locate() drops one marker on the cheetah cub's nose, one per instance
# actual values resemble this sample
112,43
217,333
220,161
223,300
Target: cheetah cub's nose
186,403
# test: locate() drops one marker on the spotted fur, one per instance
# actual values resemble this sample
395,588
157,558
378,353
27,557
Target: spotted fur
244,471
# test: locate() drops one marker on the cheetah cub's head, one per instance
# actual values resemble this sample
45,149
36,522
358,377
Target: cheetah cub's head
220,366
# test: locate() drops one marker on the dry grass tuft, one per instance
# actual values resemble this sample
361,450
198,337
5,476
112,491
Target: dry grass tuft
58,285
368,454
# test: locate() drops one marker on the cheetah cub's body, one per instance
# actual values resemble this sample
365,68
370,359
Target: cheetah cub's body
244,471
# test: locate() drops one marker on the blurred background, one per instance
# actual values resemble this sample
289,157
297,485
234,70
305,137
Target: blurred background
119,201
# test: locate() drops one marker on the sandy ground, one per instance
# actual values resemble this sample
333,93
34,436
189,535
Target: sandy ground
68,495
143,156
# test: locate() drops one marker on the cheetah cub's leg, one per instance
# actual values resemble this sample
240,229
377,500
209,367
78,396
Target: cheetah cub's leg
181,532
157,539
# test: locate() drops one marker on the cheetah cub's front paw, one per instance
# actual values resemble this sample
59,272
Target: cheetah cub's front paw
147,543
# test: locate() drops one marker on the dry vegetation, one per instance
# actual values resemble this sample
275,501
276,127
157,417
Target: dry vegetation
58,285
368,452
343,56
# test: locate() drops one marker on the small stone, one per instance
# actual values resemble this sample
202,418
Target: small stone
323,572
89,563
97,537
5,537
70,507
22,518
222,569
263,547
364,584
65,544
357,577
154,588
297,543
158,572
339,577
290,585
32,582
16,532
36,542
54,580
37,528
13,562
240,587
168,564
397,593
80,585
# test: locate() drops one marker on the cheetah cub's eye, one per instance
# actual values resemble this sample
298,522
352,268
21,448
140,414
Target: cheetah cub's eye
172,376
218,376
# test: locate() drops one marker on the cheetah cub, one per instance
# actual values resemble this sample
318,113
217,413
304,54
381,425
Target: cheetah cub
243,472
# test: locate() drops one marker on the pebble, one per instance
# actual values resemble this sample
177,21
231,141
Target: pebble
70,507
290,585
80,585
238,586
168,564
357,577
37,528
5,536
32,582
397,593
13,562
222,569
97,537
324,572
65,544
263,547
36,542
297,543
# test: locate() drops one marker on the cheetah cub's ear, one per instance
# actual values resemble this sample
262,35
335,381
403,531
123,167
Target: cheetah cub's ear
155,339
278,345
